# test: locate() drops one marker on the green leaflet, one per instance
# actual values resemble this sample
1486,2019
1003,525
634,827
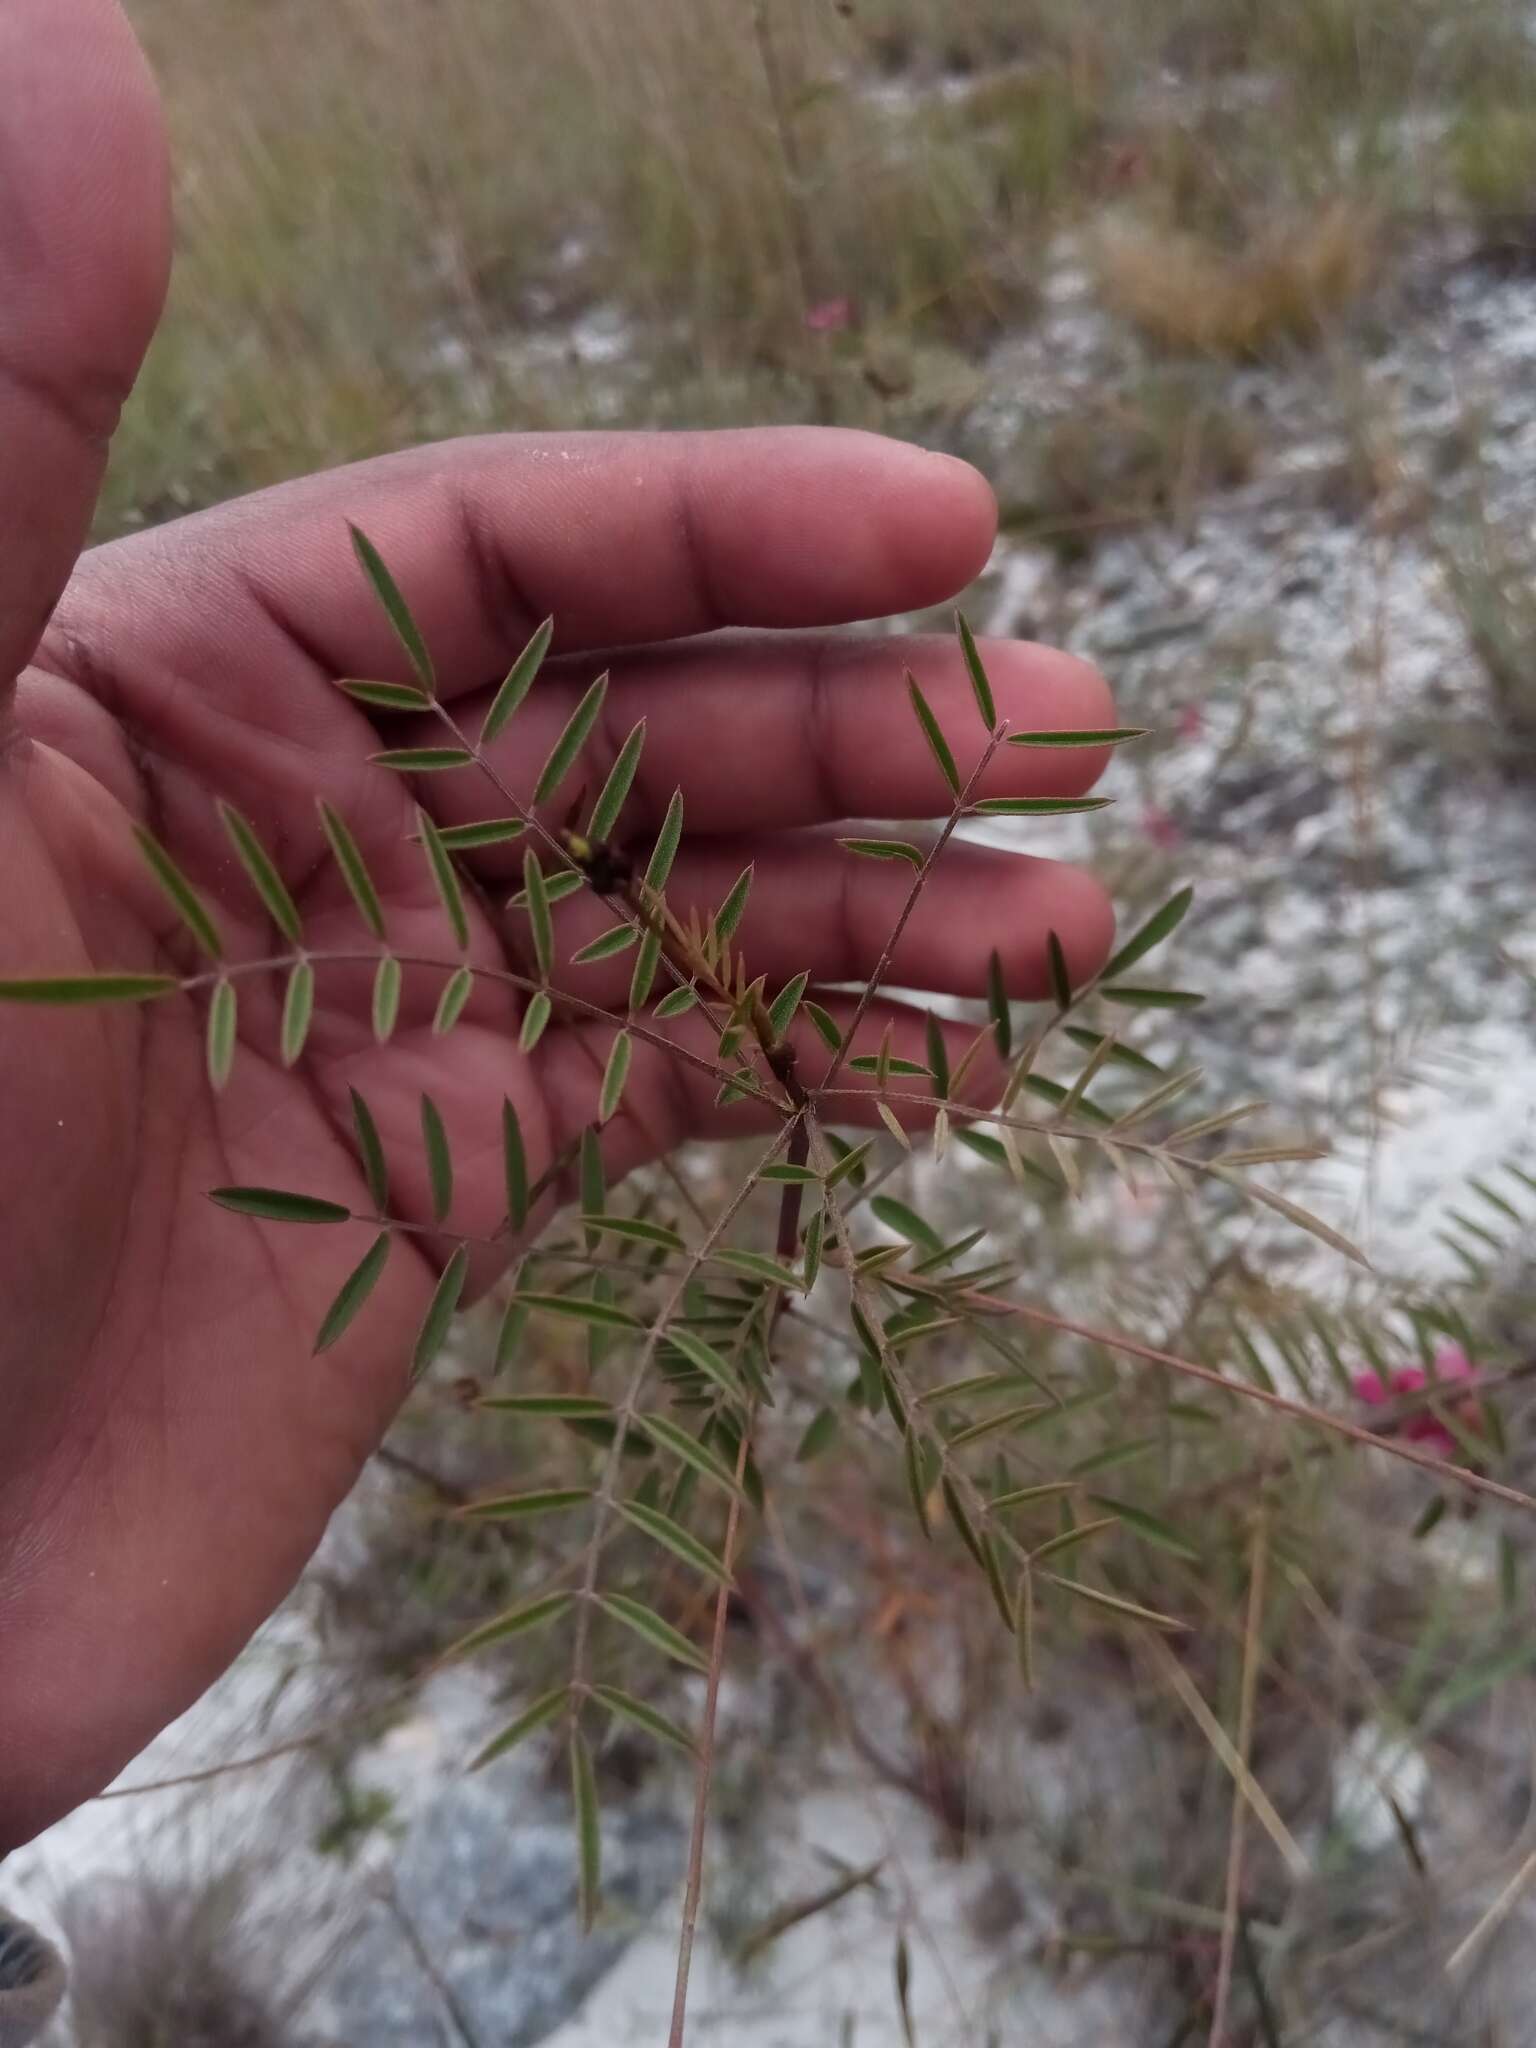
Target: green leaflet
445,876
539,1715
263,876
183,898
355,1290
652,1629
519,680
672,1536
571,741
223,1018
275,1205
434,1139
407,632
440,1313
605,813
354,869
981,687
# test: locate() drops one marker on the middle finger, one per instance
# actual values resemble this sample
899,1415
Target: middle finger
768,734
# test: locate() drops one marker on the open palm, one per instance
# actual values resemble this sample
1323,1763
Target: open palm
172,1450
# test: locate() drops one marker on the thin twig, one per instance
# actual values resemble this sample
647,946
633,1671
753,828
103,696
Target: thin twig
1257,1570
919,883
1496,1914
295,1744
1318,1418
695,1886
628,1408
1246,1786
422,1955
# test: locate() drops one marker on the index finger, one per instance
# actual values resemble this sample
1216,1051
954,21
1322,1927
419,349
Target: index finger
624,538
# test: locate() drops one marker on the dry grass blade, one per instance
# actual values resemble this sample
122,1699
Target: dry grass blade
1249,1788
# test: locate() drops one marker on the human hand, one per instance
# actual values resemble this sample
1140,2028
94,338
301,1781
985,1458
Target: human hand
172,1451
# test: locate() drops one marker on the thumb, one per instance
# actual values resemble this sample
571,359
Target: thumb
84,252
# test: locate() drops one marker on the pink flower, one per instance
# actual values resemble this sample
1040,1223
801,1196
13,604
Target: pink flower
1191,722
829,316
1451,1364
